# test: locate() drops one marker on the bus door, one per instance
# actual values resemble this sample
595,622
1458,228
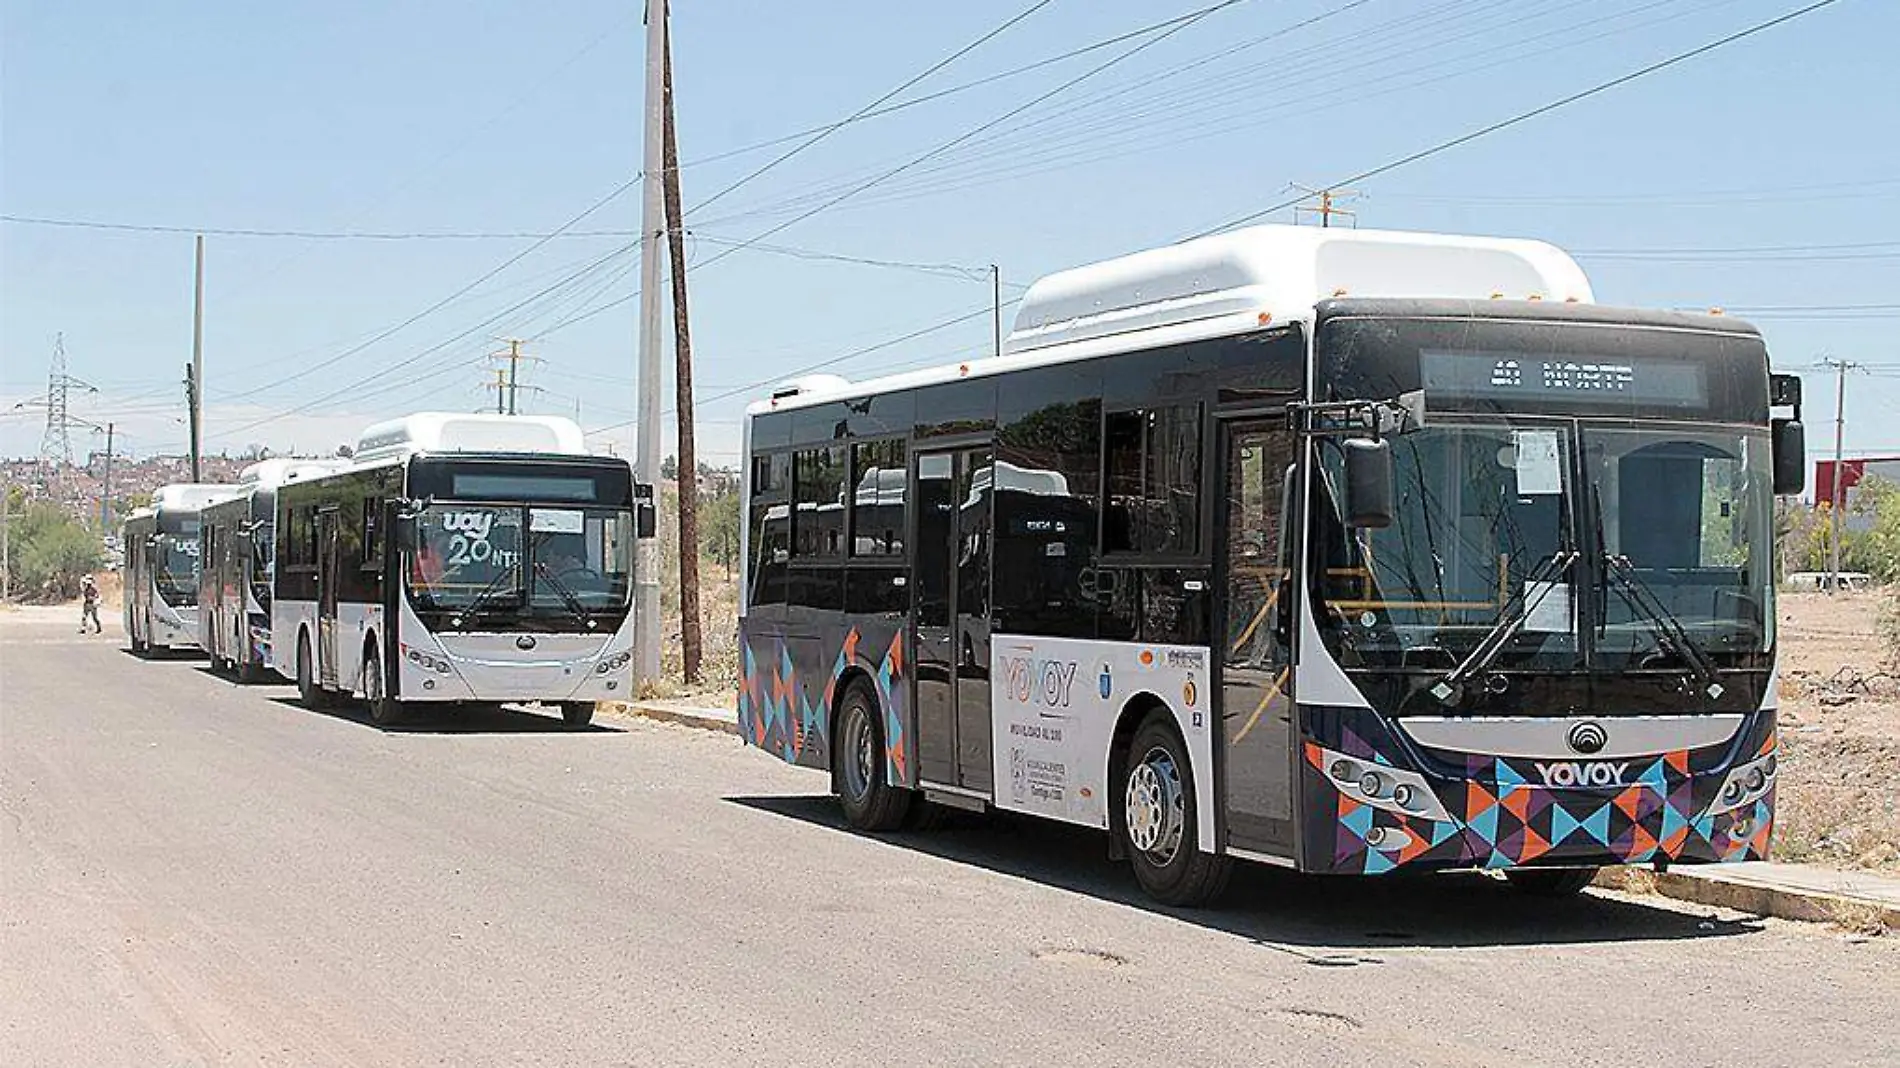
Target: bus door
327,574
950,617
1255,667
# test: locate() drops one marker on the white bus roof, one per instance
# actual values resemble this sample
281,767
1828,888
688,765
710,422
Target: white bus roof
191,496
463,432
268,474
1232,283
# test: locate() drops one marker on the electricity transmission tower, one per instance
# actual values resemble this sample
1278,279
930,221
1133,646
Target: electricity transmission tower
56,446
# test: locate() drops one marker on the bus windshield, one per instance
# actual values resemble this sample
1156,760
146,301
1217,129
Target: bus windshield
1691,510
177,572
1490,527
1483,524
533,560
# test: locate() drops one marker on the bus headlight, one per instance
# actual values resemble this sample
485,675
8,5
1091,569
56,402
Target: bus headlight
613,663
1745,785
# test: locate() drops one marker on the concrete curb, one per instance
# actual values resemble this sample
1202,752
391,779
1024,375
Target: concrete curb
1762,890
718,720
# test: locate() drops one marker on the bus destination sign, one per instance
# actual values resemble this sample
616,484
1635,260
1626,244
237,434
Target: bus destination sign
1585,379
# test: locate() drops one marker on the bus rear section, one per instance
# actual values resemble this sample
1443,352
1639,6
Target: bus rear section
1422,579
461,560
162,567
238,549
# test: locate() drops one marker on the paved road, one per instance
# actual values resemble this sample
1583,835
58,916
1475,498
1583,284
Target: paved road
195,872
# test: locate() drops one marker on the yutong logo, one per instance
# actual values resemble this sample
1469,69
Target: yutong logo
1573,773
1588,738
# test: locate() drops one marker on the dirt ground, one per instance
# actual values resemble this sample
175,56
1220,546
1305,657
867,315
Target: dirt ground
1840,735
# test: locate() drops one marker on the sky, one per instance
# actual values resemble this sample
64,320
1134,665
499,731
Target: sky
416,119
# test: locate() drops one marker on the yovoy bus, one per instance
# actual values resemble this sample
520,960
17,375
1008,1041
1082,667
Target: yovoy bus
1339,550
236,553
460,558
160,602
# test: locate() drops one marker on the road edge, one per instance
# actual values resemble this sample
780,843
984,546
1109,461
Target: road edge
717,720
1711,886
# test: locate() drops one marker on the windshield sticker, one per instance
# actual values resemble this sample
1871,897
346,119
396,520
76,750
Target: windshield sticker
1539,467
1548,608
556,521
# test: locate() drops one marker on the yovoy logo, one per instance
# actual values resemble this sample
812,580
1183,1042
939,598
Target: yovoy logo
1574,773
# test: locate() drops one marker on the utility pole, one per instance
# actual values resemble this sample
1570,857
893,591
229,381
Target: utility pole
197,379
646,438
501,391
996,307
511,384
191,407
1838,491
6,542
682,381
1328,205
105,491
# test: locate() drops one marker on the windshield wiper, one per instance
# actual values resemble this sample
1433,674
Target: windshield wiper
1517,611
494,587
1671,635
489,592
573,603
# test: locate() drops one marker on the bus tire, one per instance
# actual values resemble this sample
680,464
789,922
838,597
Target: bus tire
308,692
1550,883
577,715
384,710
1156,818
858,773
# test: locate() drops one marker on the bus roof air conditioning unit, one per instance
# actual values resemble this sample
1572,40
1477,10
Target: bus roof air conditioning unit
443,432
1268,275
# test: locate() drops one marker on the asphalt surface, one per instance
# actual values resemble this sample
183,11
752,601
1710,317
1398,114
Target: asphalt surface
197,872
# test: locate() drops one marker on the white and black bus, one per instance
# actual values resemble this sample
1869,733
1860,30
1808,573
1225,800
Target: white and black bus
461,559
237,543
160,599
1339,550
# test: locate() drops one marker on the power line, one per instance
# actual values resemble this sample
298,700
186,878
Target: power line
1525,116
902,105
315,235
873,105
968,134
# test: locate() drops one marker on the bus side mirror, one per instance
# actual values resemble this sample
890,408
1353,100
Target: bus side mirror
1790,457
1368,483
405,532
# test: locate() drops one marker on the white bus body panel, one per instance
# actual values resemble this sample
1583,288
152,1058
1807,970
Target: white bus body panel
494,667
1054,703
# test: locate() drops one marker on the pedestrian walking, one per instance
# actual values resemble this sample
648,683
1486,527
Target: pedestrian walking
89,605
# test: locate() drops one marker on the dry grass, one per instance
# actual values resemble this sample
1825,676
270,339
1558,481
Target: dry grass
1840,736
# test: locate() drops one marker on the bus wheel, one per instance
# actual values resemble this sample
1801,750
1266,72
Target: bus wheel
870,802
1158,819
384,710
577,714
1550,882
308,692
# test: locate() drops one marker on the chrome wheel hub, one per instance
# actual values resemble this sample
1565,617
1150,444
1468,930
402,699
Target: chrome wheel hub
1154,808
862,761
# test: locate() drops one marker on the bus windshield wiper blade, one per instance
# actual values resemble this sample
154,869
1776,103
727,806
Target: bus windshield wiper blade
490,591
573,603
1517,611
1670,632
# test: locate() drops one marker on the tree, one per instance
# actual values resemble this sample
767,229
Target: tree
50,552
719,529
670,468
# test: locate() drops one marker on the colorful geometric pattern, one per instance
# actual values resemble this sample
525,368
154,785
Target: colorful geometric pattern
1502,817
779,713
